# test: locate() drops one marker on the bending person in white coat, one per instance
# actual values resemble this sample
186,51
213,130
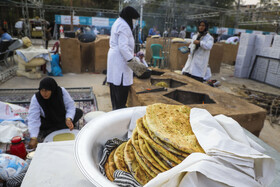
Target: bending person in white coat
119,75
51,109
196,65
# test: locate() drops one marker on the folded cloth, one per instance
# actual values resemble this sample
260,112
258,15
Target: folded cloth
33,52
121,178
231,159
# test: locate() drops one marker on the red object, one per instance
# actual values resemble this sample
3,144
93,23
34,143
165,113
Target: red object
56,47
18,148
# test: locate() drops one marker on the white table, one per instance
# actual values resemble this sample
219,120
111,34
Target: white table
54,165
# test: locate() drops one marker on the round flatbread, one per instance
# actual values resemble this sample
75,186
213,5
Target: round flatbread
129,157
119,158
171,124
140,157
157,157
108,174
111,165
136,170
167,161
147,154
144,134
163,144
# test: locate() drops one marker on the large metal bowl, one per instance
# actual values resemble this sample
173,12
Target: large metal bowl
91,139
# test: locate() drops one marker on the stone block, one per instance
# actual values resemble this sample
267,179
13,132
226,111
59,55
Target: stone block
272,79
274,52
243,61
276,41
247,39
273,66
263,40
245,50
241,72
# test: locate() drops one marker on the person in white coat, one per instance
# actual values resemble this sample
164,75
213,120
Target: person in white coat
202,42
51,109
119,75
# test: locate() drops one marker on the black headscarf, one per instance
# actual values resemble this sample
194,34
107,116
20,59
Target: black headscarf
206,27
128,13
202,33
53,107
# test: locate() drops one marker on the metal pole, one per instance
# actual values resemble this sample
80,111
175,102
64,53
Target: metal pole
43,21
237,15
71,13
120,5
25,15
141,17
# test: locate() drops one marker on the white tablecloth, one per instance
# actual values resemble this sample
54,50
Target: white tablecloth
54,165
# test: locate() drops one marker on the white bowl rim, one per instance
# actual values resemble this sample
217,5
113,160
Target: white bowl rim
95,176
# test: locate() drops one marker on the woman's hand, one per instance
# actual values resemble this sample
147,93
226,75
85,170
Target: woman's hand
69,123
196,42
33,143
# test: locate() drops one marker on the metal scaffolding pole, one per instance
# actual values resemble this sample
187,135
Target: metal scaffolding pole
237,15
25,15
40,4
120,5
169,20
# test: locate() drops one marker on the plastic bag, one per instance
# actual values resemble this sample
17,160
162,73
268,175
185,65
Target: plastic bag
184,49
11,166
8,114
56,70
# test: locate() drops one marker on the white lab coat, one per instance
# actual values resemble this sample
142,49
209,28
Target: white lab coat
121,50
197,62
232,40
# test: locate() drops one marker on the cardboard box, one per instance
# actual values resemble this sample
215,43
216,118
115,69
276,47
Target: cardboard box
216,57
177,59
77,57
230,53
100,51
87,54
70,55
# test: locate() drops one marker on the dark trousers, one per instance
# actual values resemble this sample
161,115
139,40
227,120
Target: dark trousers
44,132
47,44
119,96
200,79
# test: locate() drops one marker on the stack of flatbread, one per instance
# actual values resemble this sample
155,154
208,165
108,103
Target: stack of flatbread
162,139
